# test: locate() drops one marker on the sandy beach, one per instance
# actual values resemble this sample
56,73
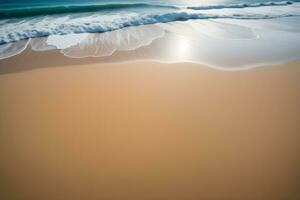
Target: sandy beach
147,130
149,100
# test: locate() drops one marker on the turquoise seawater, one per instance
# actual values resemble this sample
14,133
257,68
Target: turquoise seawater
24,19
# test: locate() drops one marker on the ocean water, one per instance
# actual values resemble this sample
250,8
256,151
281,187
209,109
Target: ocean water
23,19
67,23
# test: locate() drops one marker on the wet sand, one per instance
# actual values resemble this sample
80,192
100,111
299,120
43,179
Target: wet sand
145,130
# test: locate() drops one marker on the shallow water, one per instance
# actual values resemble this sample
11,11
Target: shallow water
43,18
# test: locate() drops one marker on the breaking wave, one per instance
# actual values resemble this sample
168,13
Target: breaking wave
242,5
51,10
44,21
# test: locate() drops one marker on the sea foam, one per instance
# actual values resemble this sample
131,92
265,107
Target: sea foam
95,22
179,34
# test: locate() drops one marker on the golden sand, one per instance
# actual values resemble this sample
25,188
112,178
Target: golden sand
146,130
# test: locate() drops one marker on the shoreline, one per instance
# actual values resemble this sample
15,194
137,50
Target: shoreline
227,44
53,58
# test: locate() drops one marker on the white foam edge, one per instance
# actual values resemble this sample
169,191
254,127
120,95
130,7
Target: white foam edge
13,49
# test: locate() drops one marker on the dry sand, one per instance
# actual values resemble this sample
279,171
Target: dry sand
145,130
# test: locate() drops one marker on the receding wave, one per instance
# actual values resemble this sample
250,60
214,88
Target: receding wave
36,11
200,41
242,5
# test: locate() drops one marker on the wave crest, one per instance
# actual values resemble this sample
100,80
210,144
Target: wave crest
52,10
99,22
36,11
242,5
